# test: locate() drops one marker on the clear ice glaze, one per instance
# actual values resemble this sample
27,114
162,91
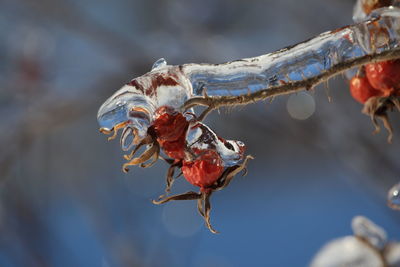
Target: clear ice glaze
137,101
369,231
300,62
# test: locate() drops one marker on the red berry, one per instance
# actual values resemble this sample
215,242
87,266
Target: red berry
384,76
361,90
170,129
204,171
174,149
169,125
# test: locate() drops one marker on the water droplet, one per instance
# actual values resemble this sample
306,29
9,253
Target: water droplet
394,197
300,106
369,231
159,64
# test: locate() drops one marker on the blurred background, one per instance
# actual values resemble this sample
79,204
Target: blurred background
64,200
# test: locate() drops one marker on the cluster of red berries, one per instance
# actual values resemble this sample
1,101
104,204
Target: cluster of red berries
377,86
205,159
201,164
200,167
380,79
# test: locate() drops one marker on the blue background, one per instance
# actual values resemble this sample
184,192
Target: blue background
64,200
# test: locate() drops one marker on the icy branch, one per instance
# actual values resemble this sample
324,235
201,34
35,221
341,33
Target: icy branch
300,67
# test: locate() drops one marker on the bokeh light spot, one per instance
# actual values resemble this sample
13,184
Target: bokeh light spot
300,106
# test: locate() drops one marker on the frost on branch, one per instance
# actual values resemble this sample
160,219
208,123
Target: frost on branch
368,248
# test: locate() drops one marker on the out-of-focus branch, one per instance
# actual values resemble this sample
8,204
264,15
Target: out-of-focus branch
47,113
67,15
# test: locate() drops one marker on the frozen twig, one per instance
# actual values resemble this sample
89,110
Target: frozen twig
300,67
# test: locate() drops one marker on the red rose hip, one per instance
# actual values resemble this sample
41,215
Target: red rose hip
204,171
361,90
384,76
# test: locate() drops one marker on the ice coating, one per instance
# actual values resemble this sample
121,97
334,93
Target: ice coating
347,251
199,136
116,109
160,63
393,197
174,85
304,61
163,86
132,108
363,8
369,231
368,247
135,103
126,105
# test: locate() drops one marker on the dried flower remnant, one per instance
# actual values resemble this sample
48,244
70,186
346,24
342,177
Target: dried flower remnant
206,161
377,85
376,101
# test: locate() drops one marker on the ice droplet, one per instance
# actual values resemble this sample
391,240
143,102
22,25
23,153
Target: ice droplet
393,197
358,12
159,64
369,231
301,106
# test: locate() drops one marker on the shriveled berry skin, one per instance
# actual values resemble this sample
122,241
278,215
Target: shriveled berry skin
205,170
384,76
361,90
174,149
169,125
170,128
